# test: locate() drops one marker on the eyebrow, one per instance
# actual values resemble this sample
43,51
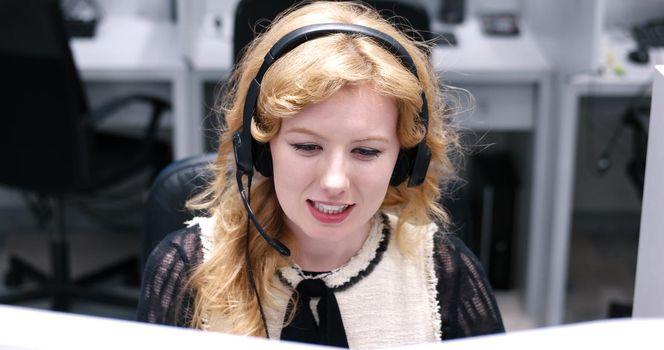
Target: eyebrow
303,130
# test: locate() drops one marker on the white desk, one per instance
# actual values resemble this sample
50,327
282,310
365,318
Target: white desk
635,80
24,329
610,334
29,329
133,49
510,79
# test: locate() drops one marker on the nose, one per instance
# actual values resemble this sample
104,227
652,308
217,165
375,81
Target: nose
334,177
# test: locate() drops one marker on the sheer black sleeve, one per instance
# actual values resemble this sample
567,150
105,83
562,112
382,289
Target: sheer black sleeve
467,304
165,296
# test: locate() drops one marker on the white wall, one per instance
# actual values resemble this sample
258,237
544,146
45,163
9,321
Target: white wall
568,32
153,9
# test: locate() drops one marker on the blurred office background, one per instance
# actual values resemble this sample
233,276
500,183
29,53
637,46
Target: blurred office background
554,118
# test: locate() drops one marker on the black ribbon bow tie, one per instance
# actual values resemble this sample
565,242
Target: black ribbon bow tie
330,329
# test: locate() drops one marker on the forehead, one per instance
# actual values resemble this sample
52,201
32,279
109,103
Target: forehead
351,110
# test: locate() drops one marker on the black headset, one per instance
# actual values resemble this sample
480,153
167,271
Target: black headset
412,163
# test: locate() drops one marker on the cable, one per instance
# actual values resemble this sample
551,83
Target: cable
604,162
250,270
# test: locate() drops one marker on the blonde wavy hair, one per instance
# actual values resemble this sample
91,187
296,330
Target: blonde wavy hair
308,74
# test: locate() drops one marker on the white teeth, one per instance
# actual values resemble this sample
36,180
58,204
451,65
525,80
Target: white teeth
330,209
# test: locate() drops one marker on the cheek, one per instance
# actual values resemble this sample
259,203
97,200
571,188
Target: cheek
289,175
378,176
283,189
391,156
377,179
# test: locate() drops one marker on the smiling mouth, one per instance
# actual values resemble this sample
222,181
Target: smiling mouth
330,209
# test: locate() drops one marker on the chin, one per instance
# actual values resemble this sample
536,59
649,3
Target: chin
327,234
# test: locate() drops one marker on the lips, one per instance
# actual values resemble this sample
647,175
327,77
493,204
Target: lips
328,213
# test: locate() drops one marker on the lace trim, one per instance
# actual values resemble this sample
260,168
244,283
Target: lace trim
358,267
207,231
432,280
206,225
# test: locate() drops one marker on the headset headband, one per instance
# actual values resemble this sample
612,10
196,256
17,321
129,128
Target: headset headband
412,162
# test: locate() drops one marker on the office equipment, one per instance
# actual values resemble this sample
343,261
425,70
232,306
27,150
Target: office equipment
650,34
452,11
52,146
639,55
81,17
503,24
647,35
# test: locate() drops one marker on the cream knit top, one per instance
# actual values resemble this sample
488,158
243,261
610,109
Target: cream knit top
385,298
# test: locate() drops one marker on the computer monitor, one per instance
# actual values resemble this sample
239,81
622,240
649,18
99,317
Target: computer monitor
451,11
649,286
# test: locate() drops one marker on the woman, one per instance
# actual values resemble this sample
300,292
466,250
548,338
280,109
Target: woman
341,138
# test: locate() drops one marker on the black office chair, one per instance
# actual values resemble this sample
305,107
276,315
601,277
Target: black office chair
410,17
51,146
165,207
636,117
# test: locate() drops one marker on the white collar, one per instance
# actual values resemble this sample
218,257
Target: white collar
358,266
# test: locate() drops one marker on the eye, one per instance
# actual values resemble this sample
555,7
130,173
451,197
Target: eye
366,153
306,148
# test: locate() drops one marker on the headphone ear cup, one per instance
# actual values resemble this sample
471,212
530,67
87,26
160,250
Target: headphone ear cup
421,157
262,158
401,168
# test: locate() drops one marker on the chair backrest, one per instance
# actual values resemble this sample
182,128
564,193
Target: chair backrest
407,16
165,210
41,98
254,16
